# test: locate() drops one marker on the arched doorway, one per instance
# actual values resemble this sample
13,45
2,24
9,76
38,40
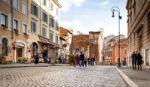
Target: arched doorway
4,47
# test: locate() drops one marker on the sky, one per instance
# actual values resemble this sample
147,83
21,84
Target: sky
92,15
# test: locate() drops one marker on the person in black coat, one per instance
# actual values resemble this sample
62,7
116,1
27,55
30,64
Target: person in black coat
82,59
134,60
139,61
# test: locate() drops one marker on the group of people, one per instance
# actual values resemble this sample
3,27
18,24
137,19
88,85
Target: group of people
82,61
137,60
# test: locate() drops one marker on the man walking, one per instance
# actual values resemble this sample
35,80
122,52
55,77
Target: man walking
82,59
133,56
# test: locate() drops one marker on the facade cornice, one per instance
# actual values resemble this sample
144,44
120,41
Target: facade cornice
139,18
57,3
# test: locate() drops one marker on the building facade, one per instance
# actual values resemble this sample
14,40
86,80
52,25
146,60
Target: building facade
107,49
26,24
91,45
65,43
138,29
96,46
115,51
80,43
111,49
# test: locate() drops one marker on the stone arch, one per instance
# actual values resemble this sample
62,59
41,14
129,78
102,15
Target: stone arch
1,38
21,44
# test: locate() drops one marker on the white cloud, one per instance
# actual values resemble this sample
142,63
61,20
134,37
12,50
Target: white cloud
85,16
75,23
106,2
67,4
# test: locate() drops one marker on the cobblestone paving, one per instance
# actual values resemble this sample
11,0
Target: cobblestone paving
61,76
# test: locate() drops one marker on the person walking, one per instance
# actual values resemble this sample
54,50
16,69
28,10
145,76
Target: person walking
45,56
77,59
139,61
35,54
89,61
133,56
82,59
93,61
85,62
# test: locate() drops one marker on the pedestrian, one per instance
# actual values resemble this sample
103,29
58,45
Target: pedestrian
133,56
81,59
35,54
89,61
45,56
77,59
139,61
85,62
92,61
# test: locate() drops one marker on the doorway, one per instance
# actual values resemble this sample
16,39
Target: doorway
19,52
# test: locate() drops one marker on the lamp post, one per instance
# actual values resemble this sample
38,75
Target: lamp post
116,9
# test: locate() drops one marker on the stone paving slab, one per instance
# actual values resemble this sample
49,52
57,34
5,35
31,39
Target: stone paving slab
29,65
141,78
61,76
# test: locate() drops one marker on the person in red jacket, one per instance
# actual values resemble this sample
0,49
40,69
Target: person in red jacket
77,59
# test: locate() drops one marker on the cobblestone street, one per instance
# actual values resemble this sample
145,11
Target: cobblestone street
61,76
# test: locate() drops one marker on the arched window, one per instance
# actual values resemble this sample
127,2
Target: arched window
4,47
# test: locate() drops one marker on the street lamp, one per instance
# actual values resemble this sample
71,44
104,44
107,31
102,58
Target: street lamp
116,9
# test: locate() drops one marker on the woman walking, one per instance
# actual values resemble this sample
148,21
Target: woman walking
139,61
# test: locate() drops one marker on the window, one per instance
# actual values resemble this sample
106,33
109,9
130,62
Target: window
51,6
148,19
24,8
24,28
51,37
15,4
4,20
34,10
15,25
44,17
57,39
6,1
125,51
57,13
57,27
51,23
33,26
4,47
44,2
44,32
134,9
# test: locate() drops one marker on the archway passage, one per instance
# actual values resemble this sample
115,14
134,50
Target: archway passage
4,47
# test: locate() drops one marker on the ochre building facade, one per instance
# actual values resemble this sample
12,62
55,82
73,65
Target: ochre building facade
25,24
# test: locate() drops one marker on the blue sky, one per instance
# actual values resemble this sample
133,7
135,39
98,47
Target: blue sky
91,15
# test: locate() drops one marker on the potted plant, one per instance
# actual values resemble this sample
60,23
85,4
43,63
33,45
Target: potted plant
2,59
71,59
